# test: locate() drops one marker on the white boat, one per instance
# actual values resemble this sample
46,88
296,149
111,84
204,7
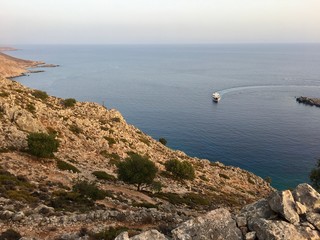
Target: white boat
216,97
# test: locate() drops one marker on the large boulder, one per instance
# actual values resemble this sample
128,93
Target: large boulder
314,219
217,224
306,195
258,209
274,230
283,203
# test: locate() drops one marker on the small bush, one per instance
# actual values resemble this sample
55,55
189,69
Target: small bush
69,102
137,170
145,140
64,166
227,177
40,94
144,205
116,119
114,157
110,140
10,234
42,144
163,141
156,186
75,129
71,201
31,108
89,190
181,170
315,176
108,234
103,176
4,94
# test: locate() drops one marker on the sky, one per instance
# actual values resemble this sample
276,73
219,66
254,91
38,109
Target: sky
158,21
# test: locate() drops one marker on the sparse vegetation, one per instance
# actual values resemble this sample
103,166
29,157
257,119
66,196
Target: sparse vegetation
137,170
145,140
15,188
156,186
89,189
75,129
31,108
42,144
268,179
116,119
40,94
4,94
222,175
110,140
64,166
108,234
180,170
10,234
102,175
69,102
114,157
163,141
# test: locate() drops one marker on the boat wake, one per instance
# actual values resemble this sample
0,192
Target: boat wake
243,88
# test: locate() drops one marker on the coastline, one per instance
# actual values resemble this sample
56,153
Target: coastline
309,101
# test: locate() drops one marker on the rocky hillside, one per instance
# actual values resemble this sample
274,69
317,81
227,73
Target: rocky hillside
46,198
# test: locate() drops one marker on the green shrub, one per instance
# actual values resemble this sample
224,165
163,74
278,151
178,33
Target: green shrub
103,175
268,179
10,234
42,144
156,186
75,129
227,177
31,108
64,166
110,140
114,158
144,205
137,170
145,140
163,141
89,190
181,170
116,119
4,94
69,102
40,94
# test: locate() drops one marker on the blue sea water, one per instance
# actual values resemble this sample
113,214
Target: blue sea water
165,90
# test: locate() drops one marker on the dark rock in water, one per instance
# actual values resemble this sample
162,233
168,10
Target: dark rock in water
49,65
309,101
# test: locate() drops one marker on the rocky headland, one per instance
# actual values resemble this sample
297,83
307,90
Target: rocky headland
309,101
47,198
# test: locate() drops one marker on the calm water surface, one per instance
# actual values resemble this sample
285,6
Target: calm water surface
166,92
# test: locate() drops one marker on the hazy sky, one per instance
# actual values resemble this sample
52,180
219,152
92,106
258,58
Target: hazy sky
158,21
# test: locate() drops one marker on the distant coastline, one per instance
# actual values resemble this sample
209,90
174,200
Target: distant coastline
309,101
3,49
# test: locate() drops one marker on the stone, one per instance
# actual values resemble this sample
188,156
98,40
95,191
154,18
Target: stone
250,236
258,209
306,195
301,209
18,216
148,235
275,230
43,209
241,221
217,224
122,236
283,203
314,219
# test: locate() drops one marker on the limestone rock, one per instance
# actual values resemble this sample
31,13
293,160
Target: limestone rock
259,209
306,195
18,216
314,219
148,235
283,203
250,236
301,209
216,224
275,230
122,236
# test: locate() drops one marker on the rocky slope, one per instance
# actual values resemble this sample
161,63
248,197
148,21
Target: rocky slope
37,196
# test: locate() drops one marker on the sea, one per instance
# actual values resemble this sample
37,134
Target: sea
165,90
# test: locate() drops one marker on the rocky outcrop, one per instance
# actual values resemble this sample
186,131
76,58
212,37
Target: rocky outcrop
148,235
275,218
309,101
217,224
